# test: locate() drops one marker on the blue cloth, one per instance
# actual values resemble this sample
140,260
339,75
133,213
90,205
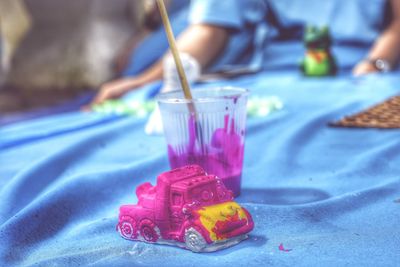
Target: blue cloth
68,106
329,195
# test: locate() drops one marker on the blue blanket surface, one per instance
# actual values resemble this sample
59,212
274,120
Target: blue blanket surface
330,196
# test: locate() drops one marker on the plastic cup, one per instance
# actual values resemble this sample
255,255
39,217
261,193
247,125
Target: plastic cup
208,130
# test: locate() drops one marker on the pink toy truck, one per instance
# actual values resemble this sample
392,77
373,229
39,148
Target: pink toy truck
187,208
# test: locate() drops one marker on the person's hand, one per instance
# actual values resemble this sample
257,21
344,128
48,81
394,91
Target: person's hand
115,89
364,67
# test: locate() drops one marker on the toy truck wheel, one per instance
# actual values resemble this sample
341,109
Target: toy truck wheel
127,227
149,231
194,240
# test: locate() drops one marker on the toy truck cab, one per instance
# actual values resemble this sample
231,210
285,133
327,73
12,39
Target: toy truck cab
187,208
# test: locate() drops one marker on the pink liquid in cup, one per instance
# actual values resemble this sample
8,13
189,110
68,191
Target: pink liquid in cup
208,130
222,157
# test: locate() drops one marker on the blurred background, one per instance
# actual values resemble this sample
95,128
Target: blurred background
53,50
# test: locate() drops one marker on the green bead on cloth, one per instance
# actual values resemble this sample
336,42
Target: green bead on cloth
121,107
263,106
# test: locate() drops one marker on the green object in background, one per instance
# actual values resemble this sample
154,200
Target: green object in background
256,107
318,60
120,107
263,106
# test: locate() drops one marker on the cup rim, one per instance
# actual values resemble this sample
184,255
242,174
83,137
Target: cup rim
167,96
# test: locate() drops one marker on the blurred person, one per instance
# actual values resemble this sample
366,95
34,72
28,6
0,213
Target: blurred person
225,34
216,33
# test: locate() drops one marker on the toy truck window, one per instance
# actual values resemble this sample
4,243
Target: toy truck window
177,199
203,194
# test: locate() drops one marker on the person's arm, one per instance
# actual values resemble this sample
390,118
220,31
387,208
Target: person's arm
201,41
386,47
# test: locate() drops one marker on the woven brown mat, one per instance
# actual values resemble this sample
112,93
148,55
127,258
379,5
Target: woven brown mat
385,115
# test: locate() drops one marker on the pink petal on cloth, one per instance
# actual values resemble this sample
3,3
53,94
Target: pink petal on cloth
281,248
